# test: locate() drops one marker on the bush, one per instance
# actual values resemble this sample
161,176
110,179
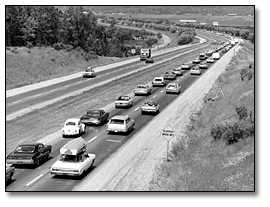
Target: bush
242,112
217,131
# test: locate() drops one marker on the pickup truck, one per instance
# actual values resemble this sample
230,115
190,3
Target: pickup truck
96,117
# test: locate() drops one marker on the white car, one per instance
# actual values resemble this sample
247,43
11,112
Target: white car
123,101
142,89
159,81
216,56
178,71
73,127
173,88
74,160
195,71
89,72
185,66
203,65
210,60
120,124
150,107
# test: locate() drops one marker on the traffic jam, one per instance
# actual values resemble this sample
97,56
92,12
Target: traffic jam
73,157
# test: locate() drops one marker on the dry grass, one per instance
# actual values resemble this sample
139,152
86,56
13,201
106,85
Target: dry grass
202,164
27,66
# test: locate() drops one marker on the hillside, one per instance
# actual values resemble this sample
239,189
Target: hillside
27,66
200,162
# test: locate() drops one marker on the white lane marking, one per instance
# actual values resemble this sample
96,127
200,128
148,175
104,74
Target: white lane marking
110,140
154,96
53,89
136,109
92,139
66,86
34,180
161,91
16,101
37,95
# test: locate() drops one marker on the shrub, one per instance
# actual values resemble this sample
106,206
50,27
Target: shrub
242,112
217,131
29,45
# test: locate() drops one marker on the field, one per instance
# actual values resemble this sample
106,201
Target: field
200,163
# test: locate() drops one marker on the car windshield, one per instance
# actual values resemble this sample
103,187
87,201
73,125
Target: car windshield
125,98
25,149
150,103
158,79
117,121
93,113
141,86
171,86
70,123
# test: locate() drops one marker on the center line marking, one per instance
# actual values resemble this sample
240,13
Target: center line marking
161,91
136,108
34,180
154,96
110,140
92,139
16,101
37,95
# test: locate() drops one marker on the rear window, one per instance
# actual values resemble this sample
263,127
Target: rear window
70,123
25,149
117,121
125,98
158,79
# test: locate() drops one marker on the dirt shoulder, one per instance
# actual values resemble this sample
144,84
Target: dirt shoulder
132,167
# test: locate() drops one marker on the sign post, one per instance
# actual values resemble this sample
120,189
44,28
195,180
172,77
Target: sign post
133,51
168,134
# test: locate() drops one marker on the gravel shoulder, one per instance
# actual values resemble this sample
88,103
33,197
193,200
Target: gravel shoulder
132,167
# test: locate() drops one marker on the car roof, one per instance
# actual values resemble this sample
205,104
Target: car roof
123,117
73,120
159,77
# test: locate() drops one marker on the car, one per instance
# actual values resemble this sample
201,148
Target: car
224,50
210,60
209,52
178,71
173,88
73,127
150,107
149,60
74,159
124,102
29,154
203,65
10,171
95,117
202,56
120,124
195,71
185,66
169,76
196,61
142,89
159,81
216,56
89,72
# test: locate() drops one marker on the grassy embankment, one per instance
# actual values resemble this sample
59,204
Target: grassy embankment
27,66
199,163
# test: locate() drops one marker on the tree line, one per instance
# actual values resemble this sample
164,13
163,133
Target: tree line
37,26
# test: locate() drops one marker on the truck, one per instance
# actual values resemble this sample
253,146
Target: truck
216,56
145,53
95,117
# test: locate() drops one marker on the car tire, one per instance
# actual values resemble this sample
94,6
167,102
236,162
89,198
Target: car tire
92,163
37,163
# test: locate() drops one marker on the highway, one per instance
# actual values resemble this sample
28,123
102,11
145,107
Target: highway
50,117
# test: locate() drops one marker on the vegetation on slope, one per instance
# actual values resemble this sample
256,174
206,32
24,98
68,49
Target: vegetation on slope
200,162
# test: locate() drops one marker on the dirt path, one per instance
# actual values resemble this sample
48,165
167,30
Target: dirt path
132,167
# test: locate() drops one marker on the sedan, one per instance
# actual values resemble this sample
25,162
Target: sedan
10,170
89,72
178,71
195,71
173,88
203,65
150,107
185,66
210,60
29,153
120,124
170,76
196,60
124,101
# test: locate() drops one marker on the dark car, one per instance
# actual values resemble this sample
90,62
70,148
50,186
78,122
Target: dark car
96,117
32,154
149,60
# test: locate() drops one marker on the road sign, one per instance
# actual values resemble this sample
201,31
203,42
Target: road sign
133,51
168,133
